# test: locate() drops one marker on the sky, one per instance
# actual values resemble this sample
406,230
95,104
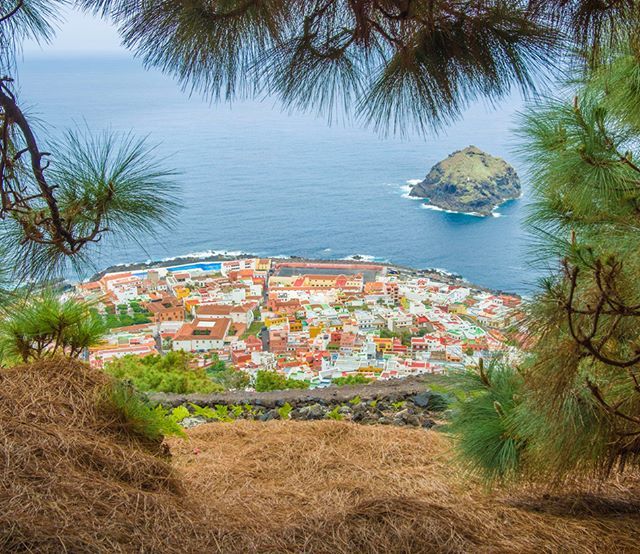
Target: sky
78,34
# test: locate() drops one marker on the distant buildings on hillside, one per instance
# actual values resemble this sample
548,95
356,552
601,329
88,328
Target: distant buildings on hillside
312,321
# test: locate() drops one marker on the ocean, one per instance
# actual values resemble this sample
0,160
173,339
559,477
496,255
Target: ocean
257,179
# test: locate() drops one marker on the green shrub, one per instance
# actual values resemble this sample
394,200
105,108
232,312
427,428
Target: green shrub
355,400
335,414
285,411
202,411
228,378
123,319
179,413
222,413
351,380
138,417
169,373
272,380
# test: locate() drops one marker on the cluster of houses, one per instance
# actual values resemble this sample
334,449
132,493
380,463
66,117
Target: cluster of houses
311,321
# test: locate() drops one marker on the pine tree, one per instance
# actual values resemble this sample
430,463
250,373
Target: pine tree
58,201
43,325
574,405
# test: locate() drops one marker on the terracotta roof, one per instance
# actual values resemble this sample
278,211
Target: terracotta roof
165,304
223,309
214,309
114,276
204,330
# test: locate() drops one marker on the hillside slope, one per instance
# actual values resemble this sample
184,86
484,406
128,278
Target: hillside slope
336,487
75,478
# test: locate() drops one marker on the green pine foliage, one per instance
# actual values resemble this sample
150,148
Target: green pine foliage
484,423
44,325
573,406
170,373
395,65
583,152
504,432
60,200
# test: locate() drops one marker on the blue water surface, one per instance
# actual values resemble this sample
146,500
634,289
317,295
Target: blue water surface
257,179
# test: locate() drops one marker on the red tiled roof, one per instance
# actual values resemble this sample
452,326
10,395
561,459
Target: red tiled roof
218,330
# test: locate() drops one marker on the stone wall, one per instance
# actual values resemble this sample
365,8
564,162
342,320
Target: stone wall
406,402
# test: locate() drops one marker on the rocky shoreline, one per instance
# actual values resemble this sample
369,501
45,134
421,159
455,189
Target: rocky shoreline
436,274
403,402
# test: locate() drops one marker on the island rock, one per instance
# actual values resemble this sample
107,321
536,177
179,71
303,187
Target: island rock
469,181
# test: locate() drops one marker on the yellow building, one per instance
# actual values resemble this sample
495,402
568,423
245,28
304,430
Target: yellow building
182,292
458,308
275,321
263,265
382,344
295,325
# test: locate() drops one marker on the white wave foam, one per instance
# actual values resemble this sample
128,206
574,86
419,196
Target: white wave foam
360,258
207,254
406,189
445,272
327,250
438,209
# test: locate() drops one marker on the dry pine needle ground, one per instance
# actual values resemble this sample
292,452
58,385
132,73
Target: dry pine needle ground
74,479
332,486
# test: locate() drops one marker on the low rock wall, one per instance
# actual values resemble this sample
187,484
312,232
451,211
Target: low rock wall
403,403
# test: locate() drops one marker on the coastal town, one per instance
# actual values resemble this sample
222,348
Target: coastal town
309,321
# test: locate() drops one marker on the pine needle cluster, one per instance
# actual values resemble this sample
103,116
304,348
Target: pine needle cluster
397,63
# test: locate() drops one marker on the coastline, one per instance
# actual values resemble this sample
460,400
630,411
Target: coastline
215,256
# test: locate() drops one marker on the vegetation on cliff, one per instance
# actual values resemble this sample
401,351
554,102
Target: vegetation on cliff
272,380
469,181
169,373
